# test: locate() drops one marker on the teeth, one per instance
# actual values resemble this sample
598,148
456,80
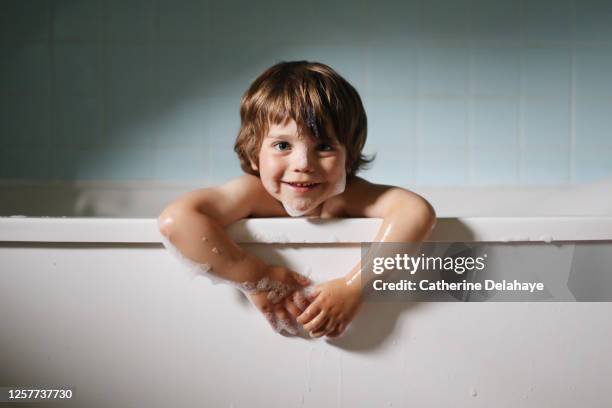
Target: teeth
302,184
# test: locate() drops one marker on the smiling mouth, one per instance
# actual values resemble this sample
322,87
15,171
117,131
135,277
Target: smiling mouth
301,187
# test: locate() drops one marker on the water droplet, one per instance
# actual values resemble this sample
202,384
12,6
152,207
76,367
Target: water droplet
474,392
547,238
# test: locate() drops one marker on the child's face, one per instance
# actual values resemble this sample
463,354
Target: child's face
286,159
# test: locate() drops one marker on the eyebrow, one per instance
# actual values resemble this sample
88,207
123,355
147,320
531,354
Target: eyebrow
279,136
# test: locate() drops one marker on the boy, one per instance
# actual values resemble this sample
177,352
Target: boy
303,128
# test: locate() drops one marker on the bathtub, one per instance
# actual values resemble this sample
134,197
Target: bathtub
97,305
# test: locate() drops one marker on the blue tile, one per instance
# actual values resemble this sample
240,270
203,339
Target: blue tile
593,164
222,117
495,71
393,21
25,69
130,69
592,21
442,123
77,20
76,69
593,123
237,23
24,21
494,167
546,72
495,20
122,164
181,69
25,121
65,161
391,71
279,23
547,123
548,20
443,70
441,167
181,123
545,166
594,72
130,21
391,122
393,165
231,70
24,163
270,21
343,22
187,21
495,123
130,121
181,164
76,121
224,165
444,19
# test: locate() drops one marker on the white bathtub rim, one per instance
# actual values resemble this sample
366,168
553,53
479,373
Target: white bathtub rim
305,231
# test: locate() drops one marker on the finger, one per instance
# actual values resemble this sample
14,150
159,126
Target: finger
301,279
337,331
327,328
300,301
312,293
331,324
317,334
308,314
292,308
317,323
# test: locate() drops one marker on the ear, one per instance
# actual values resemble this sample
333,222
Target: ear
254,165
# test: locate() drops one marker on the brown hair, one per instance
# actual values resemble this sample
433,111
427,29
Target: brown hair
312,94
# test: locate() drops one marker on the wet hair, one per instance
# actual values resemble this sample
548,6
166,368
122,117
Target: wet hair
316,97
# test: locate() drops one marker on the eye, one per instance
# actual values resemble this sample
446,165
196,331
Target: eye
325,147
281,146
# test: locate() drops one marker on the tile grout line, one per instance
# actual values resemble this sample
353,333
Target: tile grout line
572,117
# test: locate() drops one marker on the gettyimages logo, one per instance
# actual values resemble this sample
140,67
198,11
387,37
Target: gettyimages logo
481,271
412,264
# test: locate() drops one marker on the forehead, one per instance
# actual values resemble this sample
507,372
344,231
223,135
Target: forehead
287,128
290,129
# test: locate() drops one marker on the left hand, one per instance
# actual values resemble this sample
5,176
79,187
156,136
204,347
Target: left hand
333,306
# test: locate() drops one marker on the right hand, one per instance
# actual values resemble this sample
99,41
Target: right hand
280,307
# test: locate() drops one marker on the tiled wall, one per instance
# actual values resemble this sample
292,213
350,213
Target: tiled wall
479,92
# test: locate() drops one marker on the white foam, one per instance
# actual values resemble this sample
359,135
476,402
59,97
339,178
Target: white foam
286,325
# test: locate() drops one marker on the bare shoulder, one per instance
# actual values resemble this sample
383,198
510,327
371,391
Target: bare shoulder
248,192
238,198
365,199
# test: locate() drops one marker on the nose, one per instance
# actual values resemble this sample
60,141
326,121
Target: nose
302,160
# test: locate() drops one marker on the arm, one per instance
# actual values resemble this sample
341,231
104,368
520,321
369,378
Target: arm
195,222
194,226
407,217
